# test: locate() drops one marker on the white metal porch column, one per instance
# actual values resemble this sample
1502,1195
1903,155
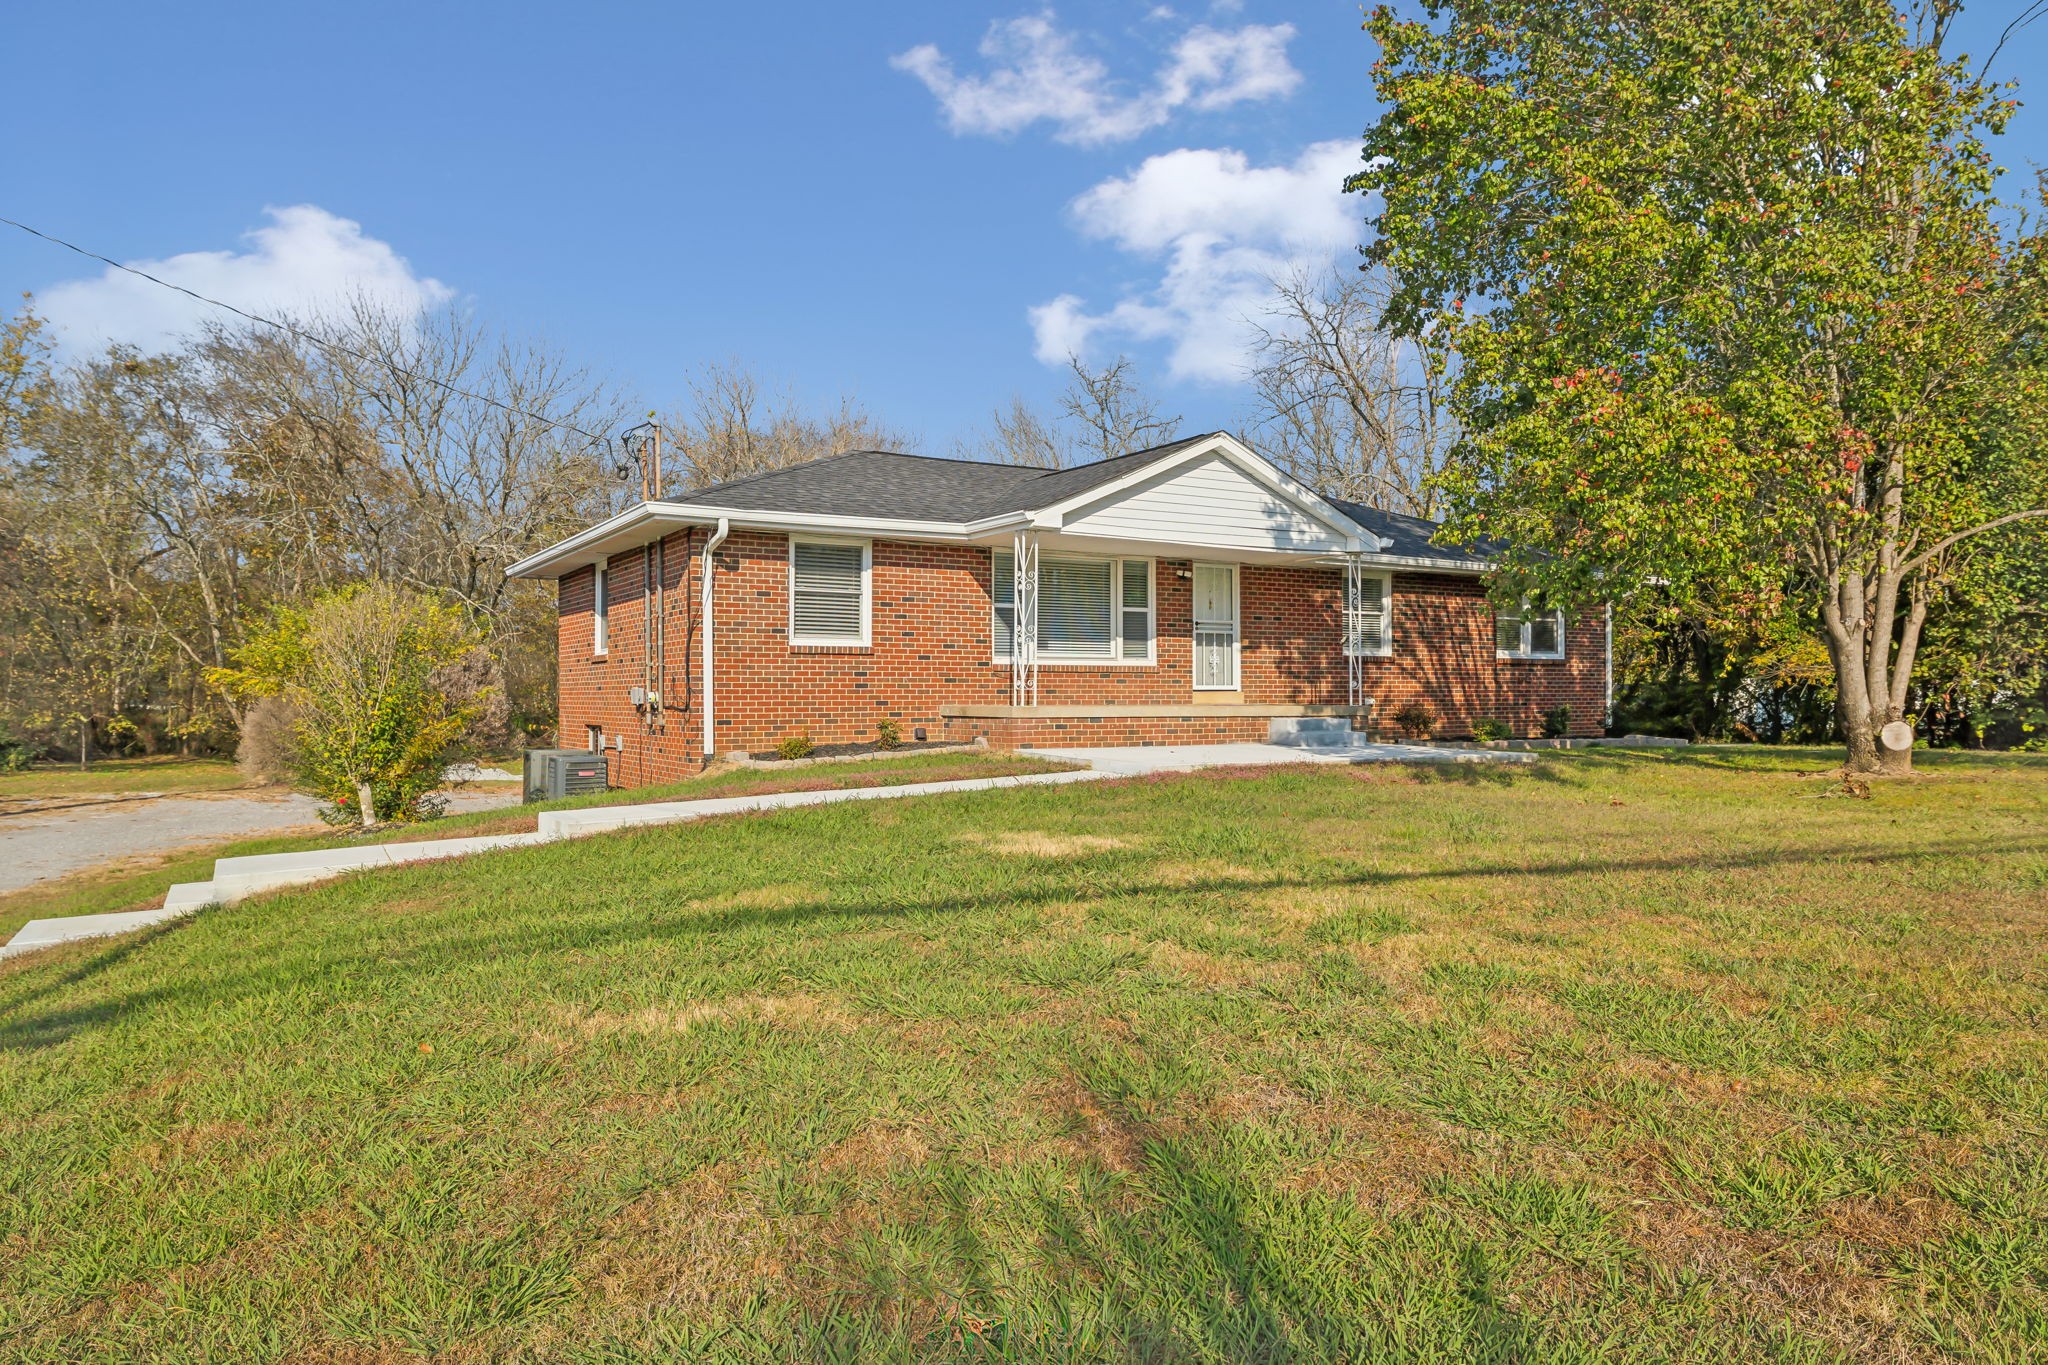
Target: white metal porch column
1354,614
1024,634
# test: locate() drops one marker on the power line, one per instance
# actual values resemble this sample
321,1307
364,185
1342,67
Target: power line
308,337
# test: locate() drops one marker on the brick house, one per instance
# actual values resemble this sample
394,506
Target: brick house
1189,593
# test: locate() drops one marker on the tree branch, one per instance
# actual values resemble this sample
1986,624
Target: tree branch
1938,546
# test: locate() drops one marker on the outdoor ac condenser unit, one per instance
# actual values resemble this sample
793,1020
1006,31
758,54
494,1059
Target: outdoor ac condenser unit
555,773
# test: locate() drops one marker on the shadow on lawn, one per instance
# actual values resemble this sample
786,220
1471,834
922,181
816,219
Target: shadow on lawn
494,940
1172,1254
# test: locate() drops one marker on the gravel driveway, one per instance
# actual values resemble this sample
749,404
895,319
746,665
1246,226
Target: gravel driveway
40,840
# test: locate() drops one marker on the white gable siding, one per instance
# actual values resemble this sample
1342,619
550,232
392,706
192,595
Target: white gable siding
1211,502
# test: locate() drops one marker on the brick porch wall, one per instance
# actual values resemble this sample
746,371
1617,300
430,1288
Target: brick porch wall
930,642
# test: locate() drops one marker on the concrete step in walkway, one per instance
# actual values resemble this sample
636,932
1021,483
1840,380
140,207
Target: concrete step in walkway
235,878
1313,732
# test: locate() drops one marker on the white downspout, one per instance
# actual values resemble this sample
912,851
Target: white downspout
710,721
1607,721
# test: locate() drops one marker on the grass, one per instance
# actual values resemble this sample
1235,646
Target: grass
139,882
1620,1057
120,776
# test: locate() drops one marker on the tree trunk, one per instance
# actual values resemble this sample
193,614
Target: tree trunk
367,805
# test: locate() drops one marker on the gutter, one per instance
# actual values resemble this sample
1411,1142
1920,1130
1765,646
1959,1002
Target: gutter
562,554
710,690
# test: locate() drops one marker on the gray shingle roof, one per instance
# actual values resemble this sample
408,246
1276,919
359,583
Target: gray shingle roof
883,483
1409,536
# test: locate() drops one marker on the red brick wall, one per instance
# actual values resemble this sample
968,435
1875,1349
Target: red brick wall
930,643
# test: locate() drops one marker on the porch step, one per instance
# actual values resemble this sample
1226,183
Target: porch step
1313,732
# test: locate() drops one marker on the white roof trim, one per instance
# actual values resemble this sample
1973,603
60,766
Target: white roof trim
661,518
1301,497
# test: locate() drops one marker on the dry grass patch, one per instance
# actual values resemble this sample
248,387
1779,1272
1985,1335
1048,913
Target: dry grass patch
704,1241
1385,1159
773,896
1036,843
1217,971
794,1011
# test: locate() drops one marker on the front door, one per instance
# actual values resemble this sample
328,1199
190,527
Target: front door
1215,628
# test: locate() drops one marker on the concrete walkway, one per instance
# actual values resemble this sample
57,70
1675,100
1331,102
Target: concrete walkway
1177,758
234,878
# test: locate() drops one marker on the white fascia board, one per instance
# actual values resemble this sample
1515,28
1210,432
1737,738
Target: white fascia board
660,517
1385,561
1305,499
539,563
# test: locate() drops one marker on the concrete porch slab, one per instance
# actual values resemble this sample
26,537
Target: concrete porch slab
1170,758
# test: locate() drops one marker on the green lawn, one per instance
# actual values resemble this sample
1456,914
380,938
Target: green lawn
1623,1057
119,776
138,883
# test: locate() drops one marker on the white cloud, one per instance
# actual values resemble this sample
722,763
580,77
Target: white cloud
1220,230
304,260
1037,73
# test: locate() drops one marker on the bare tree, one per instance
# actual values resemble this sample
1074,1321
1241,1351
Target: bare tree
735,425
1346,406
1111,413
1021,436
1102,414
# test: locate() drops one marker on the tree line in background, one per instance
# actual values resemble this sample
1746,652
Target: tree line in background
1733,352
163,516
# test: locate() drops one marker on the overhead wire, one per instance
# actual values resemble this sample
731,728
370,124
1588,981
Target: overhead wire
313,339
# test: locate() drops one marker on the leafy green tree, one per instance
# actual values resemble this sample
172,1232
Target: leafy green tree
374,674
1728,296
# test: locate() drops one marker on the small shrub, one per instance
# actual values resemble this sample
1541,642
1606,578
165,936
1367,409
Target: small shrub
796,746
1557,722
15,754
888,734
370,673
1491,728
1416,720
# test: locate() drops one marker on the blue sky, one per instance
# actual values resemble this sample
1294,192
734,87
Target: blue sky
920,204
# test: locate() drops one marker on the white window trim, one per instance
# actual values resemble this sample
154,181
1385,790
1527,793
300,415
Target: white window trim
1115,658
601,608
1386,649
1525,652
867,595
1236,683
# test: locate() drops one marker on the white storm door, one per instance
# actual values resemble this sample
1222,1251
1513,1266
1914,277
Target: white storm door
1215,627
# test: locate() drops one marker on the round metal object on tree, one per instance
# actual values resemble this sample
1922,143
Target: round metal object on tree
1897,735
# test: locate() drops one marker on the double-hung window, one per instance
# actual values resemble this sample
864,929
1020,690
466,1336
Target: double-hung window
601,610
1368,624
828,592
1534,631
1088,609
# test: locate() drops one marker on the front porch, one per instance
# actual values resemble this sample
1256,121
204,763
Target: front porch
1127,726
